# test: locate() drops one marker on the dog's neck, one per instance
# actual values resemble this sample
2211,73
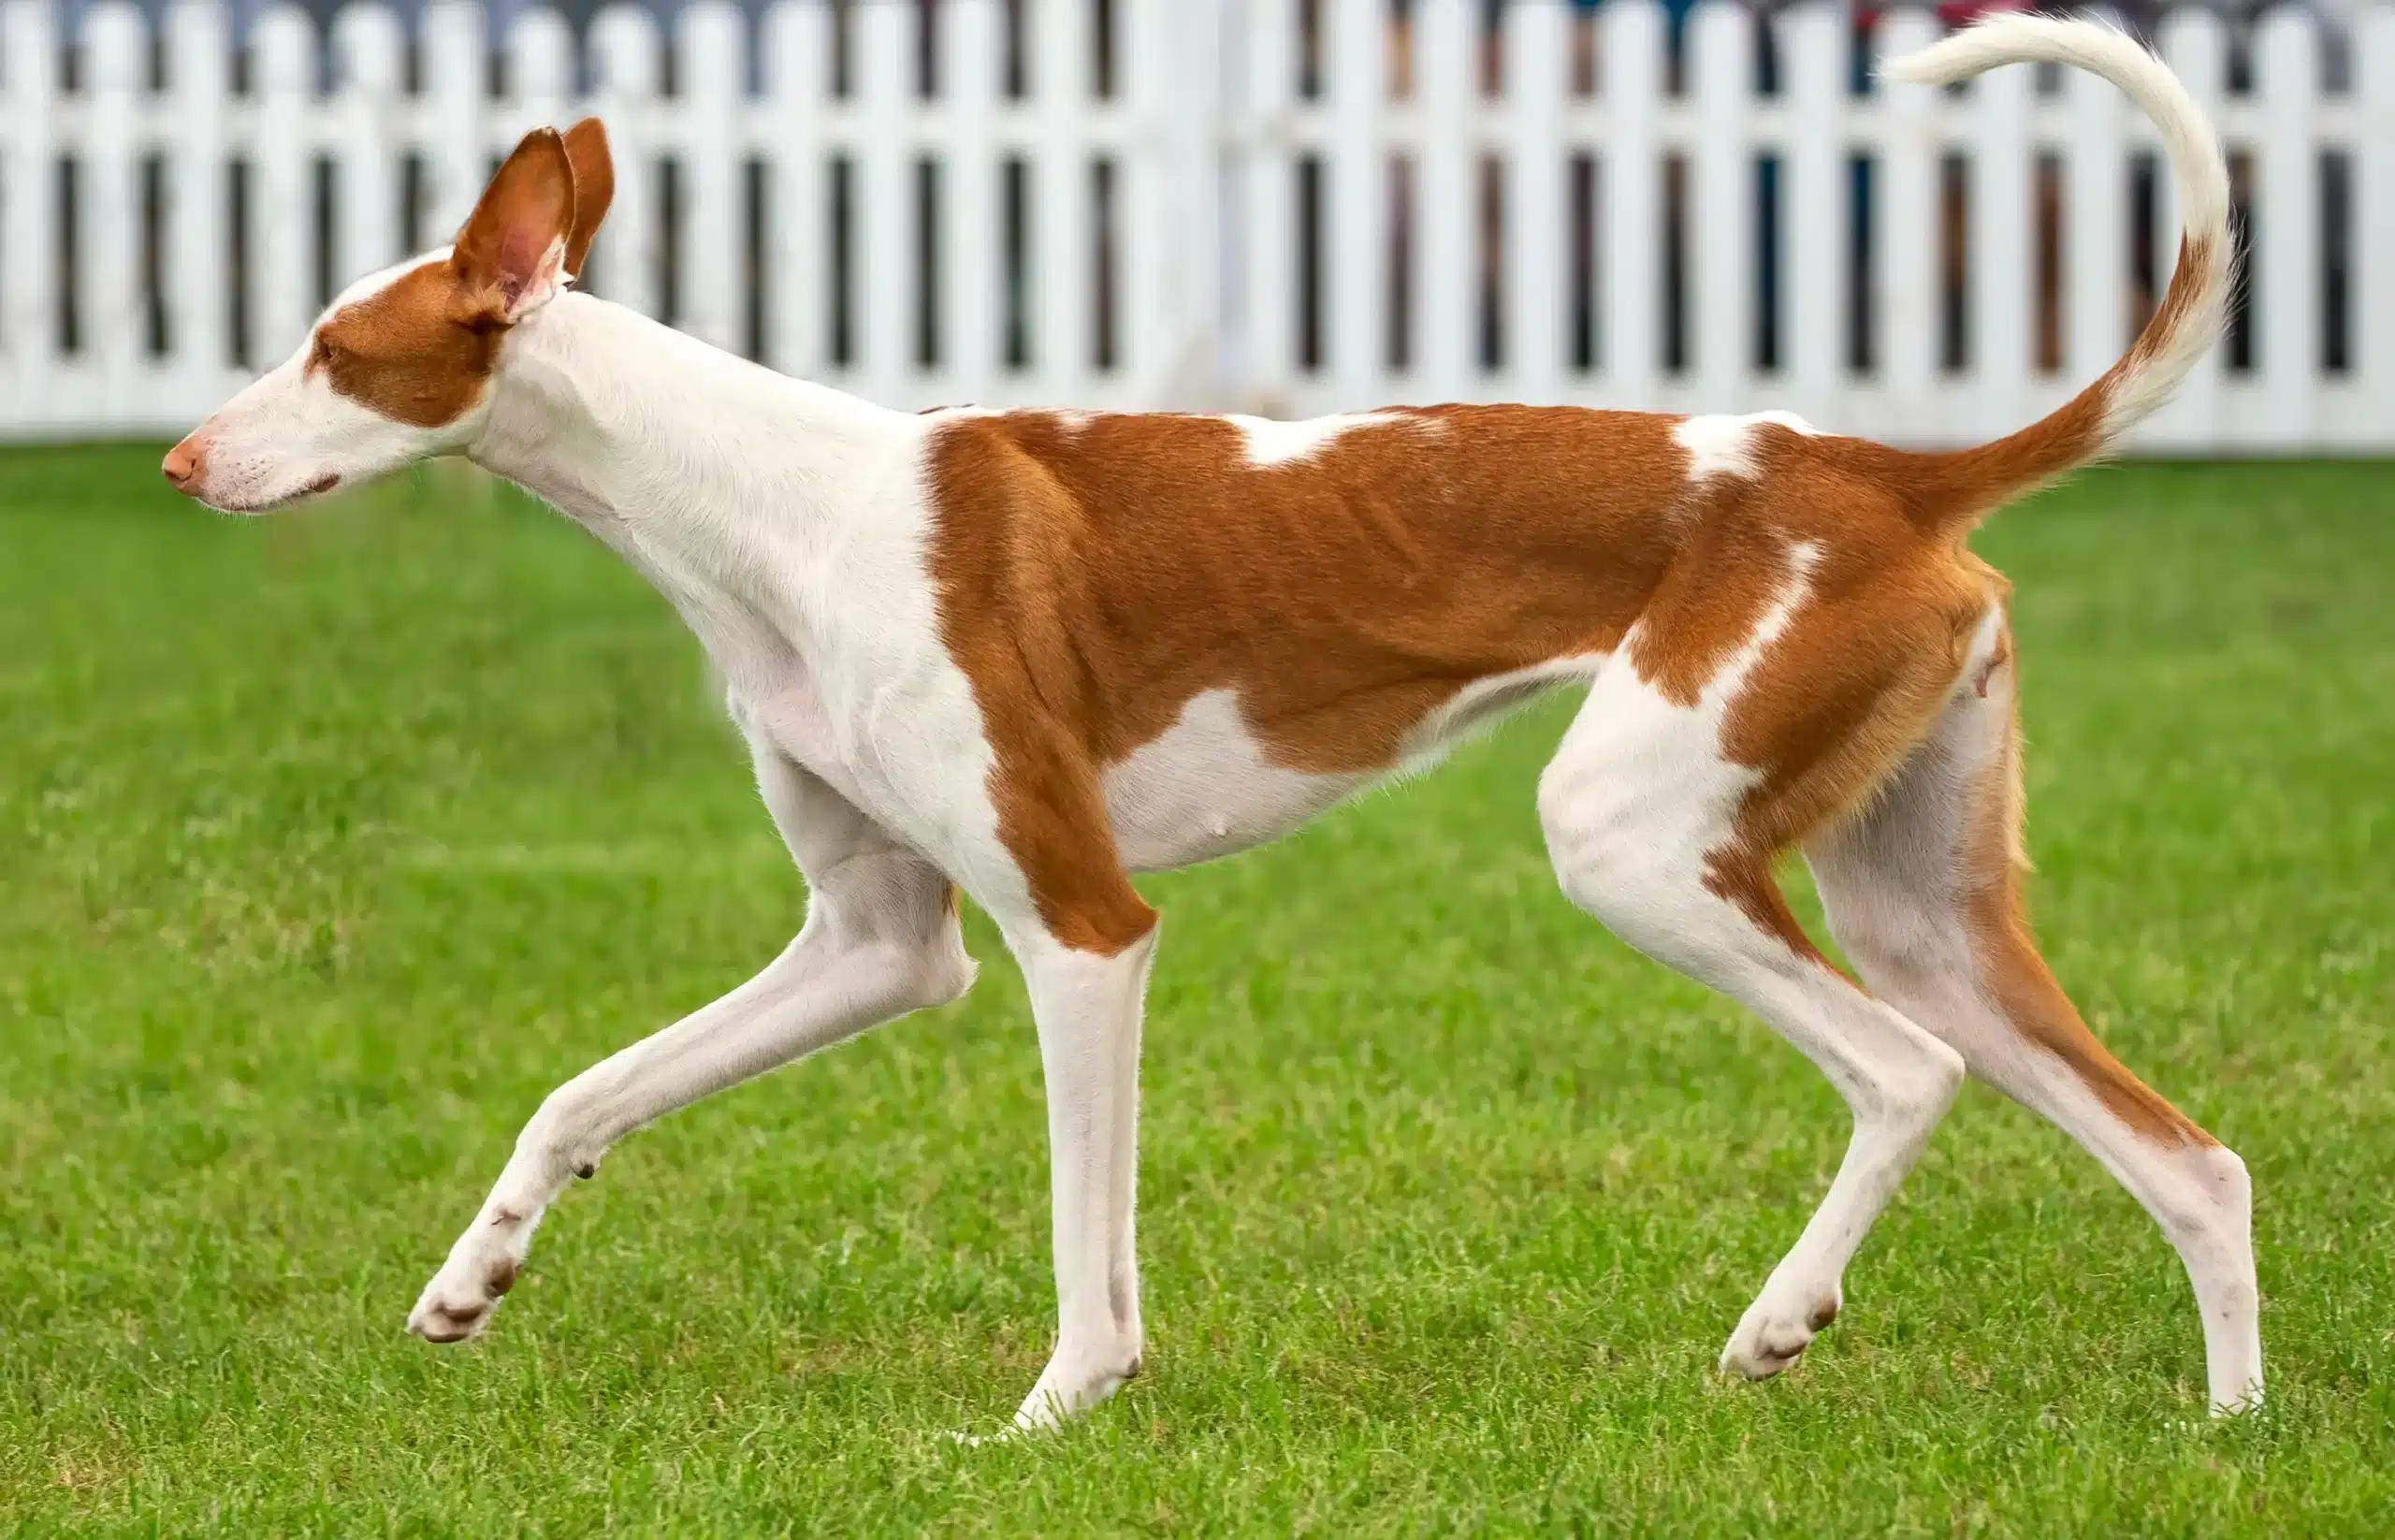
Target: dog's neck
621,421
718,479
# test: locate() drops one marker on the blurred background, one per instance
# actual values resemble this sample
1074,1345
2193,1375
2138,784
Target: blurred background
1284,206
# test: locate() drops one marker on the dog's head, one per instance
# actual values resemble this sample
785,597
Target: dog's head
400,367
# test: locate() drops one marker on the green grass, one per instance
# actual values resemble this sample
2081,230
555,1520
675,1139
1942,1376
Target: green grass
329,844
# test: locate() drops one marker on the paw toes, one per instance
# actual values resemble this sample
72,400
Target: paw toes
1759,1362
449,1322
1758,1352
1769,1339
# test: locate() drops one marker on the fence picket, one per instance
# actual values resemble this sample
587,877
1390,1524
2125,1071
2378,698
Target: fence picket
194,246
116,46
1269,375
708,38
28,243
1356,244
282,188
1536,57
972,273
1912,310
1446,297
1815,225
968,261
368,46
625,48
1632,36
886,286
540,73
797,43
1062,245
2286,283
1720,307
1172,65
457,72
2373,256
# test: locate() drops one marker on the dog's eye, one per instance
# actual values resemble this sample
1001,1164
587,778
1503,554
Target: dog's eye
322,353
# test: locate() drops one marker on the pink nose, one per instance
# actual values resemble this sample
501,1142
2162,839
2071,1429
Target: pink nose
184,464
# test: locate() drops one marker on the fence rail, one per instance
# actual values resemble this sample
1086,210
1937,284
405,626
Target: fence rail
1211,203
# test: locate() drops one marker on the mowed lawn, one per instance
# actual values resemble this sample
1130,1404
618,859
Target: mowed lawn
329,843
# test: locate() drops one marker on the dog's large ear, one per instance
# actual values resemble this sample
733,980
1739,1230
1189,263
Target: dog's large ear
511,257
594,187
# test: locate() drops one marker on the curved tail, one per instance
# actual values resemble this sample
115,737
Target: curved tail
1964,486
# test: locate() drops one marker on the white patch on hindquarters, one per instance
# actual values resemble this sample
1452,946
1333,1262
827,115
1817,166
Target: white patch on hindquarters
1644,783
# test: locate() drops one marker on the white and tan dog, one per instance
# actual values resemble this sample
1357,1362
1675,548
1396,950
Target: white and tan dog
1025,653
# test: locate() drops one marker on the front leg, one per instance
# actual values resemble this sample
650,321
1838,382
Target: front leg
880,939
1087,1005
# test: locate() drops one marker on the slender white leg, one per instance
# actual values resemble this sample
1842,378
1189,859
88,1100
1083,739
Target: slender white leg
880,939
1898,1082
1088,1009
1636,807
1919,894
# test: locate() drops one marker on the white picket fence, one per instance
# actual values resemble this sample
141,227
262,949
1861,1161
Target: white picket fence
1203,203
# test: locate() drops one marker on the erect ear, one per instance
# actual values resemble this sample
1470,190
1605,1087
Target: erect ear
594,187
511,255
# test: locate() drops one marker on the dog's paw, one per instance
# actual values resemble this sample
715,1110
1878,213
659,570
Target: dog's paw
458,1302
1772,1335
1072,1384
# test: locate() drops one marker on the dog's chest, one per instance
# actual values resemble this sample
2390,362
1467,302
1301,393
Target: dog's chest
903,746
797,718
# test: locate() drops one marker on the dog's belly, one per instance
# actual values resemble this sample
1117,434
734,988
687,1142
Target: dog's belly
1204,788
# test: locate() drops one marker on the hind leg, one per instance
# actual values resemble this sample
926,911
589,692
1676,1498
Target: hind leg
1924,892
1641,813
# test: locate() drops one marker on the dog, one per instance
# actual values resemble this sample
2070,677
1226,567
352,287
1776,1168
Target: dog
1020,654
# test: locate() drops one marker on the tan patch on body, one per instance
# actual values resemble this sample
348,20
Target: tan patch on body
1883,638
1855,679
1861,665
1095,573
